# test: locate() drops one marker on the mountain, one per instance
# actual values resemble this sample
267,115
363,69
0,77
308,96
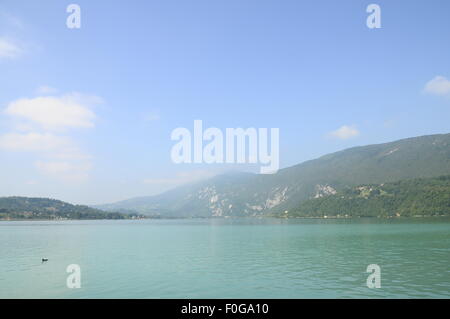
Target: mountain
197,199
407,198
255,195
44,208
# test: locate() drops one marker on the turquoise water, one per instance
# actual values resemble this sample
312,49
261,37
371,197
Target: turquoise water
238,258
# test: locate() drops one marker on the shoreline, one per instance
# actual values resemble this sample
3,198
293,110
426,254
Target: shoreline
229,217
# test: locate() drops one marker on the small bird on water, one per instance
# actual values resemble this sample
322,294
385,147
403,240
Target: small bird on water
44,260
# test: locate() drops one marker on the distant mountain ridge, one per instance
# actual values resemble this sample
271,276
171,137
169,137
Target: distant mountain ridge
257,195
46,208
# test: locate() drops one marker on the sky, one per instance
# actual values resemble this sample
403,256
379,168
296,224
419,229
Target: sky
86,115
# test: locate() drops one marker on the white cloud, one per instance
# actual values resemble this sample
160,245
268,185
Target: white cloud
50,112
438,86
345,132
46,90
36,119
8,49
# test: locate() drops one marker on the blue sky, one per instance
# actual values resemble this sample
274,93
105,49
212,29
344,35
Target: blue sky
136,70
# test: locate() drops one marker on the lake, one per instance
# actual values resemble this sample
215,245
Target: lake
226,258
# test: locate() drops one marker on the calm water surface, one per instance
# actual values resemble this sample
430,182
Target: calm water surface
239,258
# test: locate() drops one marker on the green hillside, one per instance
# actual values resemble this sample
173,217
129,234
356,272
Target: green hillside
12,208
407,198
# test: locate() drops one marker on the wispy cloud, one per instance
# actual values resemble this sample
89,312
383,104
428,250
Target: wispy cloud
182,178
32,142
345,132
46,144
67,171
46,90
439,85
152,116
9,20
9,49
